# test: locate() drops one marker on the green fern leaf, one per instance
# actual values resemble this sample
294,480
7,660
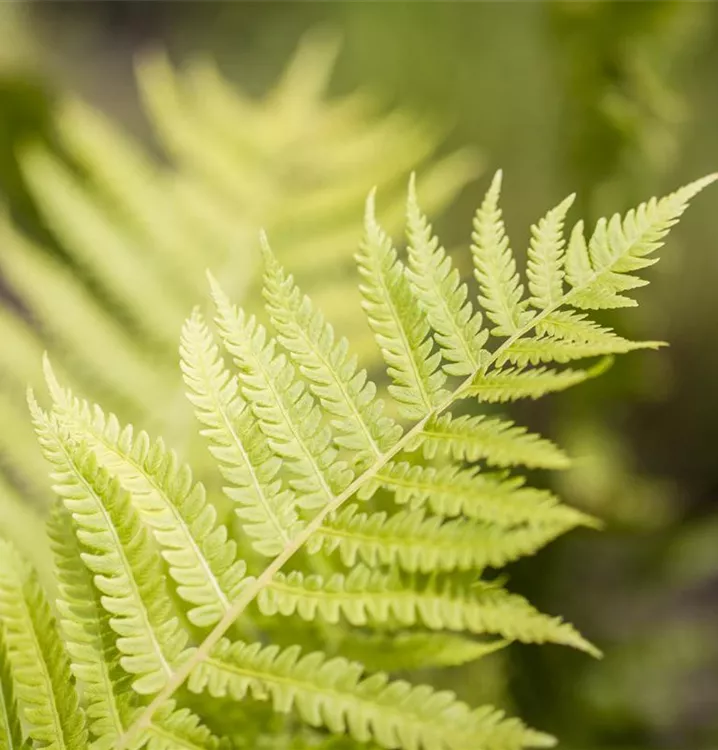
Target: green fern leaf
286,412
450,491
299,411
572,326
343,392
236,441
334,693
10,729
495,267
620,246
511,384
497,441
201,558
91,643
533,351
545,257
89,638
436,285
45,689
127,569
416,543
400,327
370,597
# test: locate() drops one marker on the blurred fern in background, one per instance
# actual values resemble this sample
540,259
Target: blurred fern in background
134,235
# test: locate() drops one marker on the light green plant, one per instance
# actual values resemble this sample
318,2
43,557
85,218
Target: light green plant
172,623
136,233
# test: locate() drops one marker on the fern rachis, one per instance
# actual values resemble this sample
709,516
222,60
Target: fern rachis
323,422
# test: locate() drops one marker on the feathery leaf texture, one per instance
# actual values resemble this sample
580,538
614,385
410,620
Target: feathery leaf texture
441,295
497,441
137,228
40,667
202,560
378,533
334,693
10,728
495,267
400,327
267,511
414,542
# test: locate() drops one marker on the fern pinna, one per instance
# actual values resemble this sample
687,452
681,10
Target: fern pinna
373,529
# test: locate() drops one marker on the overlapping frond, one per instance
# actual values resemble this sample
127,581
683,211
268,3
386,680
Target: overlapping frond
10,727
236,441
96,661
287,413
202,559
40,666
127,569
334,693
344,393
400,327
89,639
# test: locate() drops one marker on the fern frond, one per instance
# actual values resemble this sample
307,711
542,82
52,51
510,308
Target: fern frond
10,728
399,325
344,392
83,226
127,569
572,326
495,267
202,559
370,597
237,442
133,185
512,383
441,295
82,328
416,543
89,639
334,693
286,412
315,424
620,246
533,351
545,258
451,491
92,645
499,442
44,686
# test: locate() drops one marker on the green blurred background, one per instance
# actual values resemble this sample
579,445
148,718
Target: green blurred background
615,100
